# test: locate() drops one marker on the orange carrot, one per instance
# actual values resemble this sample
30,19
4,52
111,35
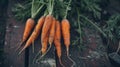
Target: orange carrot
66,33
28,28
35,33
46,26
44,35
66,36
52,31
57,40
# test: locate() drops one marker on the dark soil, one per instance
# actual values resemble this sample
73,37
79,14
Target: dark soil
3,10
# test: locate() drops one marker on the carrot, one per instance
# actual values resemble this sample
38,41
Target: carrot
28,28
66,33
66,36
46,26
51,34
35,33
44,35
57,41
52,31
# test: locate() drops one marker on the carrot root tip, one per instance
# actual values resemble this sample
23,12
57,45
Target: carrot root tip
36,57
50,43
72,61
21,51
19,45
33,46
61,62
67,49
43,55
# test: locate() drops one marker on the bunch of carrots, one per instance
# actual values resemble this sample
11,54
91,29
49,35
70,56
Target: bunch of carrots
51,33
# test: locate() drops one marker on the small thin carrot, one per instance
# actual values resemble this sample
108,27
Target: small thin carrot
57,40
28,28
66,36
35,33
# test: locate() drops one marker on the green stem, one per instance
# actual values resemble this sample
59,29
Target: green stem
75,41
35,14
67,8
50,6
79,26
94,25
45,13
32,8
